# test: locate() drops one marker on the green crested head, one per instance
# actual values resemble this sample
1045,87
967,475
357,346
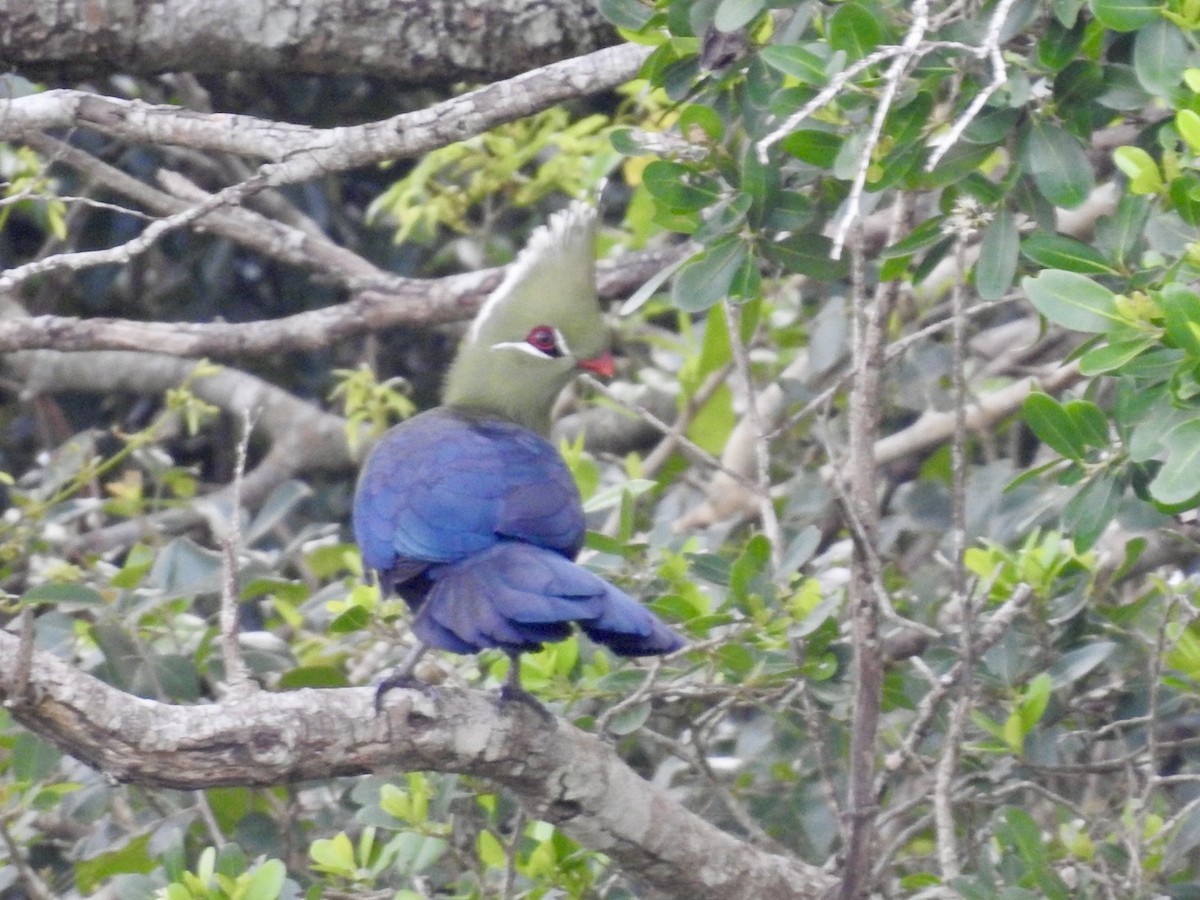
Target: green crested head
538,329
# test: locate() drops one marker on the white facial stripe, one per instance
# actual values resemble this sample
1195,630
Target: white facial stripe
523,346
561,341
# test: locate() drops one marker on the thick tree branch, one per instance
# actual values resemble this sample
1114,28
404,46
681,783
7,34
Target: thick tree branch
410,42
559,773
297,152
377,303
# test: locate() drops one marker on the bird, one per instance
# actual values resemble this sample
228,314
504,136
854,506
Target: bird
468,512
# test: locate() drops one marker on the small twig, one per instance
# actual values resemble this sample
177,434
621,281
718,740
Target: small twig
124,253
958,442
21,692
663,450
993,629
698,759
27,876
683,441
762,450
633,699
237,675
908,52
943,808
210,820
511,851
868,342
895,349
943,776
826,768
990,48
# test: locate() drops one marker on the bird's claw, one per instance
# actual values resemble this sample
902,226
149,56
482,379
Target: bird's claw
401,680
511,693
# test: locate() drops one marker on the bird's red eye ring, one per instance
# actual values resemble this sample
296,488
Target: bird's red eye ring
543,339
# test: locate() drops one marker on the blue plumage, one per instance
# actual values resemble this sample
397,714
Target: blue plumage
475,520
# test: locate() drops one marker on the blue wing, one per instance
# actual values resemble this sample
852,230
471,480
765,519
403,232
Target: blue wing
516,596
445,485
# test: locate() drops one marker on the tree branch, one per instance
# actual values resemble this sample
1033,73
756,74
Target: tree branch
560,774
376,304
412,42
298,152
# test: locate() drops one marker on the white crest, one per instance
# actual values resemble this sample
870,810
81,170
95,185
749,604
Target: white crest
567,236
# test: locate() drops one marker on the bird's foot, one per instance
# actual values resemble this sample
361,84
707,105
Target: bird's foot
402,677
514,693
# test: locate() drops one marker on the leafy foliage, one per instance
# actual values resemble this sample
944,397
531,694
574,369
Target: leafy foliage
1056,196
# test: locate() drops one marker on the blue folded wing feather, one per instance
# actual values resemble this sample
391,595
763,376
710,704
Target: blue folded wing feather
475,521
445,485
515,596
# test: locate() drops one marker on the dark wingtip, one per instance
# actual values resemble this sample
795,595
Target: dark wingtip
659,642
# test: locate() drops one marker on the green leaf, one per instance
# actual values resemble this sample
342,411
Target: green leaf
32,758
138,561
1187,123
706,278
801,64
714,422
1075,664
733,14
1058,164
267,880
1072,300
1141,169
927,233
1181,315
54,594
334,855
1090,511
490,850
807,254
854,30
1184,192
749,565
1057,251
630,719
133,857
1034,701
628,14
997,264
1179,478
678,188
1053,425
356,618
817,148
1059,44
1090,422
1159,54
1125,15
1114,354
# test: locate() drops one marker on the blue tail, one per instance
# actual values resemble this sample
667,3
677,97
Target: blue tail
516,596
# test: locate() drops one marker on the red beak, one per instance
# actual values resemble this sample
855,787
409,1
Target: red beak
602,365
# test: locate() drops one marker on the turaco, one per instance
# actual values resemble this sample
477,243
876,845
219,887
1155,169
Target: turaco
468,512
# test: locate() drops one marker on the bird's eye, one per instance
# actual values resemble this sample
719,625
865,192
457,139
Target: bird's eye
544,340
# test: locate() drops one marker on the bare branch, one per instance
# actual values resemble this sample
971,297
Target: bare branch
991,49
387,301
407,43
868,346
238,680
297,152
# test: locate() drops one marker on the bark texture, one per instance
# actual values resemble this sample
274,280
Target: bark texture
412,41
559,773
